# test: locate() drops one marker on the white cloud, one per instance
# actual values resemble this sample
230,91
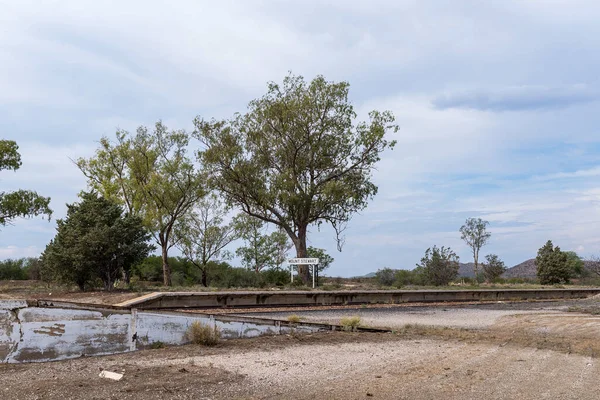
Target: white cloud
19,252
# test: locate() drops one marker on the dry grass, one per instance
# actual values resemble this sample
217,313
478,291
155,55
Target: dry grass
519,337
350,323
204,334
294,318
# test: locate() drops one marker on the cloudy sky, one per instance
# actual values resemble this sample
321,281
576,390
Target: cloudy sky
498,103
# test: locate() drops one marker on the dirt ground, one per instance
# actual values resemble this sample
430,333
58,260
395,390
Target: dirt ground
328,365
40,290
523,357
526,350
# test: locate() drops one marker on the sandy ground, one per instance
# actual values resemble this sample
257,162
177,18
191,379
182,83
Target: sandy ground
526,350
327,366
473,317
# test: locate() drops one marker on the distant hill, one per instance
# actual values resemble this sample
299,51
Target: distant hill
526,269
465,270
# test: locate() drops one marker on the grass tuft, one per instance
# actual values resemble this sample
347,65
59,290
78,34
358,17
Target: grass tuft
350,323
204,334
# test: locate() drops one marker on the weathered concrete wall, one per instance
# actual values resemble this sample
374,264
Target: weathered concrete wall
174,300
37,334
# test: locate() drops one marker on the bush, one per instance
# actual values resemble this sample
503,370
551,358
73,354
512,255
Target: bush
204,334
386,276
552,265
440,265
350,323
14,269
493,268
405,277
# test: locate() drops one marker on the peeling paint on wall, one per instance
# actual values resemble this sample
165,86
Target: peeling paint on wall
38,334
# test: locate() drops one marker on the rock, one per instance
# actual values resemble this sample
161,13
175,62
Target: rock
115,376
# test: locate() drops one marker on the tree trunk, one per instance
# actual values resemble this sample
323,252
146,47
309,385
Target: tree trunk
301,252
204,277
476,267
165,265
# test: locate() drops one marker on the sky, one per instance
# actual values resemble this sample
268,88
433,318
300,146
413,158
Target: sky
498,104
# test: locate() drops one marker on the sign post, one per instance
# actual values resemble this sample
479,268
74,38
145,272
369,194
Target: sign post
314,262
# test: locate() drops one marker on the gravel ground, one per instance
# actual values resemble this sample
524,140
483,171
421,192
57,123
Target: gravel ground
325,366
471,316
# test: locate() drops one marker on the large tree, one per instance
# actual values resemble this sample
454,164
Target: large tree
151,174
261,249
474,233
297,157
203,235
96,240
20,203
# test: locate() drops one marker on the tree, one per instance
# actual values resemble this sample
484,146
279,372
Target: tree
12,269
493,268
203,235
283,248
262,249
552,265
593,265
151,174
440,265
96,240
575,264
386,276
325,260
474,233
297,158
20,203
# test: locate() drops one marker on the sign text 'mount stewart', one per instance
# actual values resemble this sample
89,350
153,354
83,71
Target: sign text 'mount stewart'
303,261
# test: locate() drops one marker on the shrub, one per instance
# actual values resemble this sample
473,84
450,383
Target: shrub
350,323
493,268
552,265
386,276
13,269
405,277
157,345
440,265
204,334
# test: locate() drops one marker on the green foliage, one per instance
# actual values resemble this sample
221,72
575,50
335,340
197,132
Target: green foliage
386,276
297,157
20,269
203,235
493,268
474,233
182,271
262,249
95,241
151,174
575,264
14,269
325,260
203,334
405,277
440,265
553,265
21,203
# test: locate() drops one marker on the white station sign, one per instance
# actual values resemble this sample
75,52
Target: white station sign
303,261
